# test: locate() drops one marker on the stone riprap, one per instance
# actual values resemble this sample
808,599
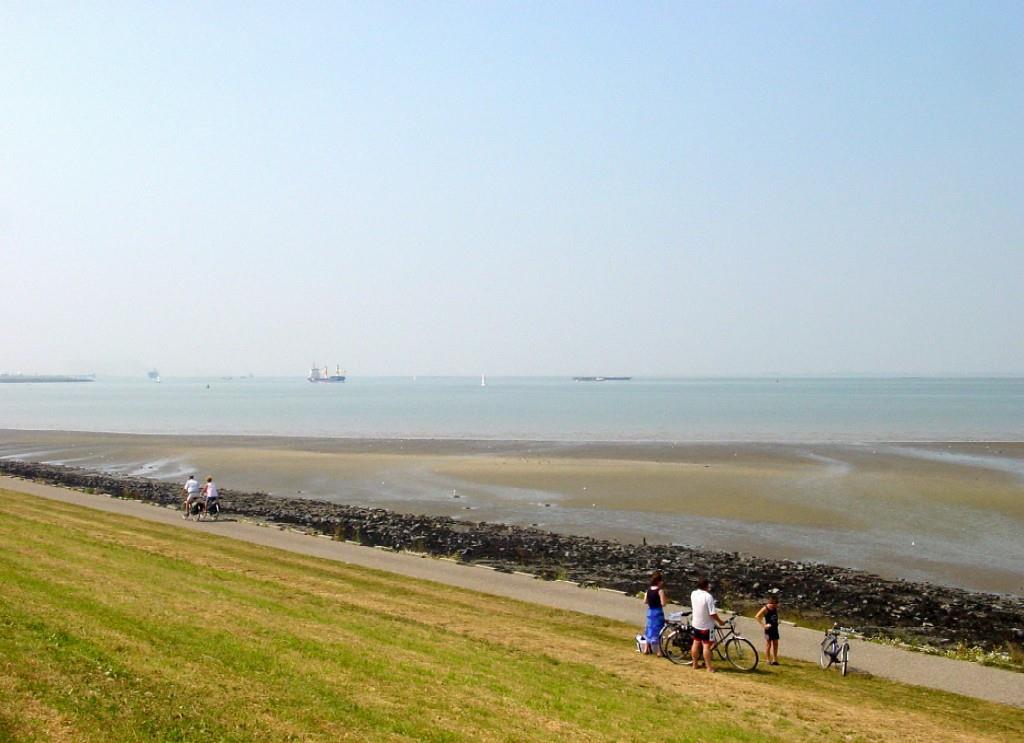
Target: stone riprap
938,615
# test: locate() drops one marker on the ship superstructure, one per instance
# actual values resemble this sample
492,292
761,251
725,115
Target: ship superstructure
320,374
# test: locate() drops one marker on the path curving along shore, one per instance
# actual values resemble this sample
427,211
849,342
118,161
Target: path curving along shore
903,610
802,644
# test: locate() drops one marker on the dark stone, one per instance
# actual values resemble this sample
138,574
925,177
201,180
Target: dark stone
913,611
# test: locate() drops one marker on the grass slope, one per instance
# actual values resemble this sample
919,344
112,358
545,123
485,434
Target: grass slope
113,628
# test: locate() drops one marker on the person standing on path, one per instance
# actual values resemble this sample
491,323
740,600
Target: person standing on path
655,600
191,492
769,619
703,619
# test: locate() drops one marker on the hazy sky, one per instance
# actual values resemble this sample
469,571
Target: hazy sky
522,188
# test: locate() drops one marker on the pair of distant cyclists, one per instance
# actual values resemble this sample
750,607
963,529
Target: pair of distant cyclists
205,496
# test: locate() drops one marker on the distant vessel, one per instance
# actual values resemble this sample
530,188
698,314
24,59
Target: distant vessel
483,380
601,379
30,378
154,375
318,374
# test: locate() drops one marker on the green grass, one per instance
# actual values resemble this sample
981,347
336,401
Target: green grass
1010,657
118,629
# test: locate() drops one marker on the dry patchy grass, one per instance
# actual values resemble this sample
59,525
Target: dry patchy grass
114,628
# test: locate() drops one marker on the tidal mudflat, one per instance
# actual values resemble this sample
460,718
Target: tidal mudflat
950,513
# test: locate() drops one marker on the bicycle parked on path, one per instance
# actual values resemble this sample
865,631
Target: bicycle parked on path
835,649
677,639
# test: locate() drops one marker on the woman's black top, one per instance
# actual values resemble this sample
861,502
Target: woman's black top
654,597
771,617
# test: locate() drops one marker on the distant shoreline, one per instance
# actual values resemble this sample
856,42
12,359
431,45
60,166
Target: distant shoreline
45,378
469,445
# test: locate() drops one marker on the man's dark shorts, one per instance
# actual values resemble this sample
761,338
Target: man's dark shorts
771,633
704,635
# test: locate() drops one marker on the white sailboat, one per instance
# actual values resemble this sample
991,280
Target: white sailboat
483,380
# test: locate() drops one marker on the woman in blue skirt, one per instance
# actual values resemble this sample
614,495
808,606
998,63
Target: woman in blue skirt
655,599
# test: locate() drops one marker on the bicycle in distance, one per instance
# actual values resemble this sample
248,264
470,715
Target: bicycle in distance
835,649
676,639
206,510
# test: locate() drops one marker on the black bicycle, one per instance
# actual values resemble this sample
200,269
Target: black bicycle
676,640
211,509
835,649
734,647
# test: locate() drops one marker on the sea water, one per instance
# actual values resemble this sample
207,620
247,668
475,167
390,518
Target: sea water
917,536
559,409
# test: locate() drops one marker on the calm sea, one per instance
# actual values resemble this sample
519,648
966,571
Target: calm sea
535,408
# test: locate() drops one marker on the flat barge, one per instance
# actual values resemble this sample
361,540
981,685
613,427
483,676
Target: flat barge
45,378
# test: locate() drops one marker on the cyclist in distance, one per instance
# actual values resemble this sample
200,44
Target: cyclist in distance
191,492
210,491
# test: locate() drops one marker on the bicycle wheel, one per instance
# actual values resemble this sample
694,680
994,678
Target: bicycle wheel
741,653
675,645
844,658
827,653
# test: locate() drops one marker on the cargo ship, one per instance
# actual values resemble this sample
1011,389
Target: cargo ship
318,374
601,379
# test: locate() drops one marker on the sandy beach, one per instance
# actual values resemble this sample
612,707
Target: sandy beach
948,513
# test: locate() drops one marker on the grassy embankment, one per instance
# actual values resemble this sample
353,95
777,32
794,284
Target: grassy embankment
113,628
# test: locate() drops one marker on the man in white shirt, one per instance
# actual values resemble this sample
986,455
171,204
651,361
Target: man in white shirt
703,621
191,491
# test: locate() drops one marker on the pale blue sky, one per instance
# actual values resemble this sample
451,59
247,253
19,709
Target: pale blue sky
530,188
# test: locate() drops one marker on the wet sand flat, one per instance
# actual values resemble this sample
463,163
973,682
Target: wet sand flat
951,513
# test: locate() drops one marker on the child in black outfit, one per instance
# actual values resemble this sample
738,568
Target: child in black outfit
769,619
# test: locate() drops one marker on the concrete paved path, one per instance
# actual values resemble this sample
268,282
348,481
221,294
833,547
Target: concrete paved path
908,667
